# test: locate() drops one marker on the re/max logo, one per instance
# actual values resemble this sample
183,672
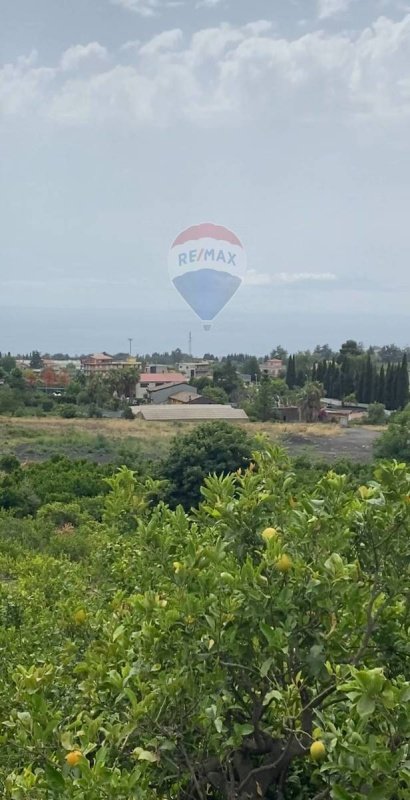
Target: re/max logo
193,256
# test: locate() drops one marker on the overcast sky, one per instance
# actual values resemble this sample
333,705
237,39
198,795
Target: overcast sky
125,121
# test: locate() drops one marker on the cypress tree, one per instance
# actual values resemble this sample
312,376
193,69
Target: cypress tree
396,386
388,393
347,380
368,381
291,372
361,384
381,389
402,384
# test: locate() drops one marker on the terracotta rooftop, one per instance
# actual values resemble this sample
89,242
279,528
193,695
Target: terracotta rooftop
162,377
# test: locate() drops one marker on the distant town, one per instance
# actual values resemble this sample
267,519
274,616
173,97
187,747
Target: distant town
309,386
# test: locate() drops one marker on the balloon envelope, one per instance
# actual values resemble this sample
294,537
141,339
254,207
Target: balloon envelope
207,264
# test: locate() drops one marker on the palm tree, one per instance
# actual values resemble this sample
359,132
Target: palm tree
309,401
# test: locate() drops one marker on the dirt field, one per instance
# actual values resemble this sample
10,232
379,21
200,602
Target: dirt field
105,440
354,444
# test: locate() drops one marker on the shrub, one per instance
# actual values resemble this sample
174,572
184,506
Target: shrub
68,411
213,447
376,414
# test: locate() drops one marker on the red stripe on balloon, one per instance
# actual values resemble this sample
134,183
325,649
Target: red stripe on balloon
207,231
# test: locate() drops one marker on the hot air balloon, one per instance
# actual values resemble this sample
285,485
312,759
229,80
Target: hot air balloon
207,264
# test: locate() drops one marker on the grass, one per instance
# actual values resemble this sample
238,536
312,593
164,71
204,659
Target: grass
116,440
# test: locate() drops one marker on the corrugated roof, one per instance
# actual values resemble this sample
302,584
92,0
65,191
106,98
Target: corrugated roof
165,413
162,377
184,397
169,386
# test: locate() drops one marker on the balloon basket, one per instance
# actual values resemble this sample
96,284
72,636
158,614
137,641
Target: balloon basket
207,326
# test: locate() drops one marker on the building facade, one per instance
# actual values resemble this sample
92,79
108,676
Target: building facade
274,367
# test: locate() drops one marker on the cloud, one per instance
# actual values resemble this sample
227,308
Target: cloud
209,3
168,40
223,75
145,8
331,8
254,278
76,56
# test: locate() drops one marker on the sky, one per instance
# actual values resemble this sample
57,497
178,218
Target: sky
123,122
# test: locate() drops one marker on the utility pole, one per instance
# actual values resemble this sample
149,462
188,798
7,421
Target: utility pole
190,343
130,341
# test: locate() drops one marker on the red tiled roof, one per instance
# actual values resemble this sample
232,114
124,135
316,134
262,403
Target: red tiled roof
162,377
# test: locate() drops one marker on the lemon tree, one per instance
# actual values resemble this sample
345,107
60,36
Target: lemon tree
255,648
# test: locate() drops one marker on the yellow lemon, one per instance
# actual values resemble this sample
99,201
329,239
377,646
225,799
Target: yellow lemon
73,758
269,533
317,751
177,566
80,616
284,563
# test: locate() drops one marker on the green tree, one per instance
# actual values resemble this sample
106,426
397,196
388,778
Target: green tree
381,391
402,389
36,362
226,377
351,348
254,650
395,442
323,352
291,372
279,352
309,400
368,390
265,402
215,393
214,447
376,414
390,353
251,367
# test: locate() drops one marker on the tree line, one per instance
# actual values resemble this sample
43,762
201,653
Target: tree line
364,382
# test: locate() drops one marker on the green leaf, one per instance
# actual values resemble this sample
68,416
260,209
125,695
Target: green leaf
54,777
118,632
66,741
145,755
274,694
366,706
218,722
244,730
338,793
378,793
266,667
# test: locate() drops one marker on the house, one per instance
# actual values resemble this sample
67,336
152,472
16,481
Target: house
195,369
100,363
57,363
148,382
156,369
191,398
183,412
162,393
342,415
273,367
288,414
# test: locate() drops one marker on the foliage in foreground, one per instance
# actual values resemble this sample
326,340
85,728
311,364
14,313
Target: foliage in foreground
203,656
395,442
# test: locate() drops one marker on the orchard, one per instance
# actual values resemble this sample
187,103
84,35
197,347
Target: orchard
255,647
